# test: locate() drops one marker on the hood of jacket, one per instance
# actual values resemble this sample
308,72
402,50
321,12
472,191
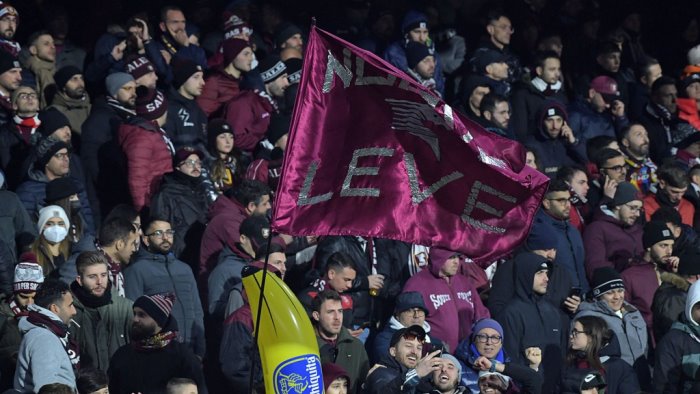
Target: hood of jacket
71,103
542,115
526,266
675,280
693,298
611,349
395,324
237,255
223,204
24,324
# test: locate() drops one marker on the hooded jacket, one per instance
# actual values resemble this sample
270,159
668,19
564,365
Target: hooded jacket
677,364
588,123
149,156
685,208
76,110
570,250
630,330
218,90
554,153
641,282
453,306
610,242
348,352
527,102
529,320
393,378
42,358
249,115
619,375
152,273
669,303
224,278
224,219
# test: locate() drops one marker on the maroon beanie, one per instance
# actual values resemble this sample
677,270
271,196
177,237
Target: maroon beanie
139,66
150,103
232,47
157,306
332,372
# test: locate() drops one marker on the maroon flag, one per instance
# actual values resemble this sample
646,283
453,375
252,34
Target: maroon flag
373,153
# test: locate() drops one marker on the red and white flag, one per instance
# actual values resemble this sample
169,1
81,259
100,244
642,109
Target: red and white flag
373,153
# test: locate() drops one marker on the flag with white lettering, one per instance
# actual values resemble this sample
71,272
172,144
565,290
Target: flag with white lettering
373,153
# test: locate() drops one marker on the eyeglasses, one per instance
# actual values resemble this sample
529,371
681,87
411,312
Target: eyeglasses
575,332
633,208
61,156
563,200
482,338
161,233
616,168
191,163
417,312
27,96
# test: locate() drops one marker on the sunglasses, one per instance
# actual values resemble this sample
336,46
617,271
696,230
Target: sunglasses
411,335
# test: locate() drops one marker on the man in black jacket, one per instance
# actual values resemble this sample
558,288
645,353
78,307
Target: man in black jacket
187,123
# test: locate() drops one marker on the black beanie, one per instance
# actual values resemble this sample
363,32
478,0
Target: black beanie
215,128
183,69
8,61
606,279
279,126
415,52
60,188
284,32
52,120
655,232
45,150
625,193
63,75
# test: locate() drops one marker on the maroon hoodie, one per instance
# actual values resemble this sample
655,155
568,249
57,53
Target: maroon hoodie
450,305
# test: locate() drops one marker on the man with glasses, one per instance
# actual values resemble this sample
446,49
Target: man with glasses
673,183
499,29
156,271
404,369
335,343
615,235
410,310
532,326
556,207
183,201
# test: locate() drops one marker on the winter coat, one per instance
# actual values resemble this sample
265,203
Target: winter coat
349,353
503,285
237,340
135,371
225,217
248,113
388,264
70,55
395,54
588,123
688,111
660,131
42,358
224,278
187,123
16,228
76,110
149,156
453,305
529,320
555,153
13,151
630,329
526,102
570,250
515,71
685,208
182,201
152,273
10,339
668,304
380,346
677,366
219,89
393,378
610,243
641,282
104,162
101,331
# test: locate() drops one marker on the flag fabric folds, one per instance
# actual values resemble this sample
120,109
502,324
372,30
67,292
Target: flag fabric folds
373,153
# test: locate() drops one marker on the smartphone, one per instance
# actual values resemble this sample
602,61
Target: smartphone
575,291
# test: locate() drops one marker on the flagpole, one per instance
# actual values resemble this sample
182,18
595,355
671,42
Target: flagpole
257,316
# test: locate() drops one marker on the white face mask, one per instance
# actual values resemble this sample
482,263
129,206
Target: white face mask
55,234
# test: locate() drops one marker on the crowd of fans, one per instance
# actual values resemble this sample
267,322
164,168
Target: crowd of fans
138,177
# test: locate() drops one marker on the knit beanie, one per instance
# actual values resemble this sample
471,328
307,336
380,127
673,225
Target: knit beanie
45,150
150,103
294,66
60,188
694,55
8,9
487,323
182,153
655,232
542,237
139,66
157,306
64,74
231,48
28,274
183,69
279,126
115,81
331,372
413,20
8,61
606,279
494,380
454,361
625,193
52,120
51,211
415,53
409,300
286,31
234,25
271,68
215,128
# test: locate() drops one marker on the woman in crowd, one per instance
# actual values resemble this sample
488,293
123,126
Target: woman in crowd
52,247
